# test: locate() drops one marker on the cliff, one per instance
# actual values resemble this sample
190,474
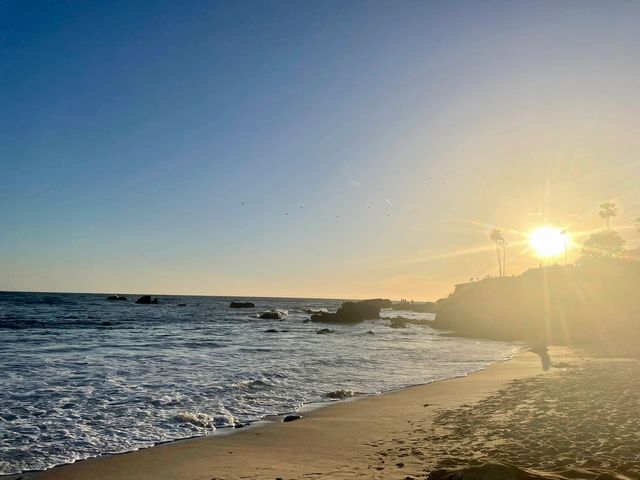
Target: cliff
595,302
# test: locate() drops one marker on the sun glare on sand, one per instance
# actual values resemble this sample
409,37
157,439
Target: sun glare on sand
548,241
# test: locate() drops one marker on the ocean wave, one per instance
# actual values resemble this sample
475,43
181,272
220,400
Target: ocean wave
198,419
157,375
17,323
224,418
251,384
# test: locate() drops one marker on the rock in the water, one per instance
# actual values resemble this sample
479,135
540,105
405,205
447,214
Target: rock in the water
146,300
324,330
182,304
486,471
424,307
271,316
324,317
349,312
401,322
291,418
379,302
271,330
242,305
117,298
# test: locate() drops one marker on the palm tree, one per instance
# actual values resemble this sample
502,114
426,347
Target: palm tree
504,257
607,211
497,238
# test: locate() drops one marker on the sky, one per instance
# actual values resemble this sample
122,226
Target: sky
342,149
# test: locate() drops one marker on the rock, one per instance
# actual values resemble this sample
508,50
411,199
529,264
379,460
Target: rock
182,304
242,305
358,311
324,330
369,332
119,298
324,317
349,312
401,322
291,418
271,330
398,325
424,307
271,316
379,302
486,471
146,300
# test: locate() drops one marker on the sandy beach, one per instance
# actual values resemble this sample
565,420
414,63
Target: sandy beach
284,239
576,420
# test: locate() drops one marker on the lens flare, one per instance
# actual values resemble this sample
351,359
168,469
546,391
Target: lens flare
548,242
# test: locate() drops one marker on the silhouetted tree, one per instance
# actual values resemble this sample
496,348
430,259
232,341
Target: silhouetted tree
603,244
504,257
498,239
608,210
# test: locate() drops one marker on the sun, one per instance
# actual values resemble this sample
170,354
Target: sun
548,241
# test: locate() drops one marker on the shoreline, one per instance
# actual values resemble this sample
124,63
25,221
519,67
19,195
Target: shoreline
304,410
330,435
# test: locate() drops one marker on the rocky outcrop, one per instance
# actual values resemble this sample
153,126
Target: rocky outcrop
350,312
118,298
423,307
242,305
271,316
593,304
379,302
147,300
401,322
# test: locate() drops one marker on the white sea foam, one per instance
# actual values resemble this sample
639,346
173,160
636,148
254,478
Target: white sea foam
341,394
199,419
74,388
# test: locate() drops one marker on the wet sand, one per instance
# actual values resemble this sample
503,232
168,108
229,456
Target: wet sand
578,419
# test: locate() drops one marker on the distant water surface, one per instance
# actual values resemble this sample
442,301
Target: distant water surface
82,376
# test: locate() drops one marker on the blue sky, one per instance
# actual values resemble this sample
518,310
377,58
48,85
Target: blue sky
302,148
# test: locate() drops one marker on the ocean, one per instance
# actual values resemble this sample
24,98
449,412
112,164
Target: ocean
83,376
